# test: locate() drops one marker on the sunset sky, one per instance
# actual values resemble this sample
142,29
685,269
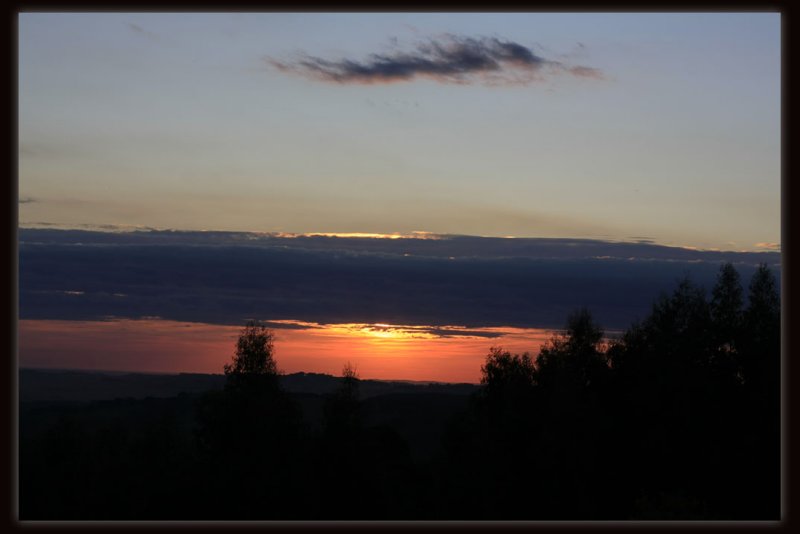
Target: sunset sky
637,143
657,125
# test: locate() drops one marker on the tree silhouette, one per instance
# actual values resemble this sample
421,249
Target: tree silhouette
360,463
726,316
761,361
764,300
254,353
678,327
726,306
339,466
507,397
696,415
572,374
760,357
503,373
762,324
484,475
251,435
342,407
677,419
532,439
573,358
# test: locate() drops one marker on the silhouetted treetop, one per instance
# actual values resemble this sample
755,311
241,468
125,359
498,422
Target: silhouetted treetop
762,321
508,387
503,370
254,352
678,331
350,381
583,334
764,300
574,355
726,314
348,391
726,303
343,407
682,313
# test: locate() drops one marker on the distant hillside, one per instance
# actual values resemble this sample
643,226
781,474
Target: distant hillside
70,385
417,411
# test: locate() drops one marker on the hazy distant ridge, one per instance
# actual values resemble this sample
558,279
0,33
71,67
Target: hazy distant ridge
69,385
428,245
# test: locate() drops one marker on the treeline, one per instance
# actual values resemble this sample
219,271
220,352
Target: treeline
679,418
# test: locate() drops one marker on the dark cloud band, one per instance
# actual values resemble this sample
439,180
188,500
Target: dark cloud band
451,59
224,278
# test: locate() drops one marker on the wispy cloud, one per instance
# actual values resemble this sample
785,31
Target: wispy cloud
388,330
586,72
141,31
769,246
27,200
450,59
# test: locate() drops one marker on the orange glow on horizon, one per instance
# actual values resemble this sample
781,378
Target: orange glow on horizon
394,235
379,350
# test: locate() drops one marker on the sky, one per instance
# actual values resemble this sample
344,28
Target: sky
400,191
605,126
423,308
163,346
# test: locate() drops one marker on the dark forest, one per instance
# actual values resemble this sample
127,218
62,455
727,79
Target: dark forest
678,418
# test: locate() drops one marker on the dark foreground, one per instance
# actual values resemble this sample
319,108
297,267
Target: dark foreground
679,419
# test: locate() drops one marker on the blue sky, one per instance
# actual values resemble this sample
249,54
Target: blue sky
183,121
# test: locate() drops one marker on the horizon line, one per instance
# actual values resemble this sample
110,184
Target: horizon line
761,247
222,374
